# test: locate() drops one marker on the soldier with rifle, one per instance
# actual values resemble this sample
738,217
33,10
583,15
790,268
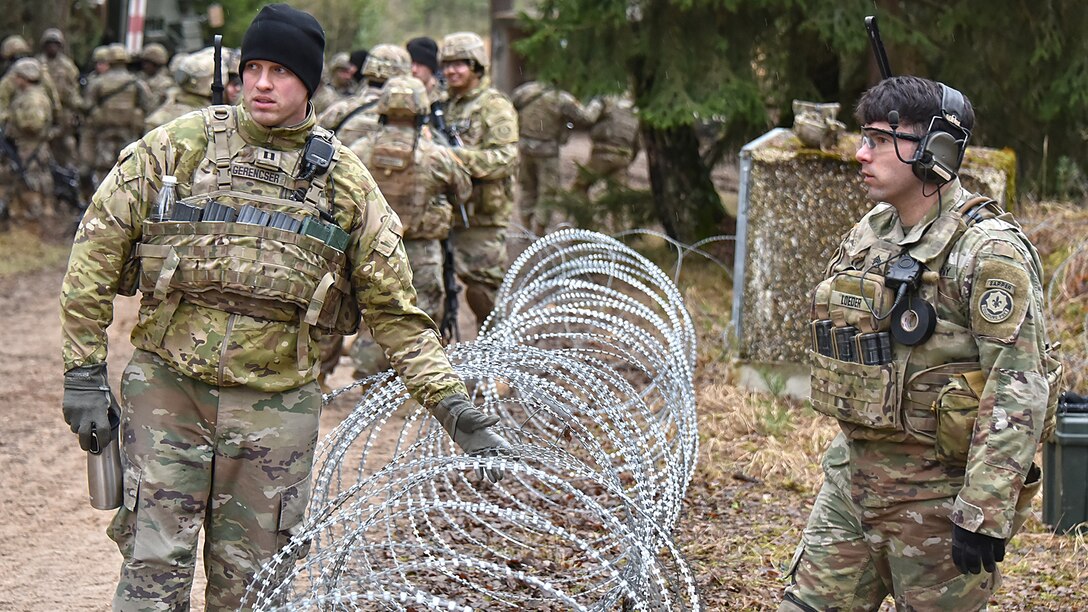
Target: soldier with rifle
420,180
24,142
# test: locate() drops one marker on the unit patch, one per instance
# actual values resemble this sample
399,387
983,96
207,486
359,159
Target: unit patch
1000,298
995,305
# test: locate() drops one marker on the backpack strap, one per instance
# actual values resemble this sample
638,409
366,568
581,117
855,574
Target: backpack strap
216,120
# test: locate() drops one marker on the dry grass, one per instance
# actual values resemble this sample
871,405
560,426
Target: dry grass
1060,232
21,251
759,468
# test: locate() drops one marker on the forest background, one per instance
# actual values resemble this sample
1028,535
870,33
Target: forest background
710,75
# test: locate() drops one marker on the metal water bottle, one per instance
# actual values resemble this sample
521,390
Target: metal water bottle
104,469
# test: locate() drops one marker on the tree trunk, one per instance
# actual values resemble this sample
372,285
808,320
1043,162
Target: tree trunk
685,200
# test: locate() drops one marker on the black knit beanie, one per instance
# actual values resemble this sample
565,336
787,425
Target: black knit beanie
289,37
424,51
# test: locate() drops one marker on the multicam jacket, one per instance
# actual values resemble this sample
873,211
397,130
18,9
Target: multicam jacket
544,113
488,124
419,178
230,349
962,413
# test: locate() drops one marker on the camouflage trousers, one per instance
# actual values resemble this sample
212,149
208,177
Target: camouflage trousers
100,147
230,459
480,261
425,256
851,558
29,197
607,165
539,185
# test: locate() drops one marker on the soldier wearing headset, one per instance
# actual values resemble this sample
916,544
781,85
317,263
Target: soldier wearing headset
931,352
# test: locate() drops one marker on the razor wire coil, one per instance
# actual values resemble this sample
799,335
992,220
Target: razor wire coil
588,359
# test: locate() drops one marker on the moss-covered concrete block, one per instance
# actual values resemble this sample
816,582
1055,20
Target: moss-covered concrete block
795,206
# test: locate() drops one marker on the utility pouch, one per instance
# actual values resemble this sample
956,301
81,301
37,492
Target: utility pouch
956,409
851,298
866,395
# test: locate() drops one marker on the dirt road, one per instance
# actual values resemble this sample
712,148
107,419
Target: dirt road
56,555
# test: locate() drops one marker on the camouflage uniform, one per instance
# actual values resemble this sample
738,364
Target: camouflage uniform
356,117
543,117
194,86
29,123
13,49
220,404
335,88
488,126
65,76
161,81
116,104
944,434
615,142
420,180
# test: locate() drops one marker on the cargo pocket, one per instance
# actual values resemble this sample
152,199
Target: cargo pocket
964,592
292,512
1032,483
955,409
130,487
866,395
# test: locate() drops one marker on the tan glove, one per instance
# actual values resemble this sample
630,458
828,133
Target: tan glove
472,430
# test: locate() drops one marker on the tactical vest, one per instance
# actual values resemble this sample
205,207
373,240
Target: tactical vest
250,269
539,116
117,103
935,405
395,160
617,129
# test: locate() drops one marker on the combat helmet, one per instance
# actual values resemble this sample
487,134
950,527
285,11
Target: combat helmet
195,71
52,35
154,53
28,68
16,46
404,96
116,53
101,53
387,61
340,60
464,46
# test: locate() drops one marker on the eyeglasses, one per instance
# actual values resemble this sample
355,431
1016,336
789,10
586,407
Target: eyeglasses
870,136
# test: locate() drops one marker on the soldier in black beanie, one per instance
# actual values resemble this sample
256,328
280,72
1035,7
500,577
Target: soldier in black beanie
219,409
424,52
289,37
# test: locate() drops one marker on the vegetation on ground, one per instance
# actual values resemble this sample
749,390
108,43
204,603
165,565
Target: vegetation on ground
758,469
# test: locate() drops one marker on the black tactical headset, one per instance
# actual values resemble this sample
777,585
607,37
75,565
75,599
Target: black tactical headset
941,150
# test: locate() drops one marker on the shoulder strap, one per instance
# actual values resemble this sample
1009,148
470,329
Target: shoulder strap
358,109
114,92
216,120
533,98
978,209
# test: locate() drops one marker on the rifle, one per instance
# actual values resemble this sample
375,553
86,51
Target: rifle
66,186
448,326
878,47
217,73
453,136
11,153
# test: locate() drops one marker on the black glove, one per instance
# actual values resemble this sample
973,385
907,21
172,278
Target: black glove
470,429
88,403
973,551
